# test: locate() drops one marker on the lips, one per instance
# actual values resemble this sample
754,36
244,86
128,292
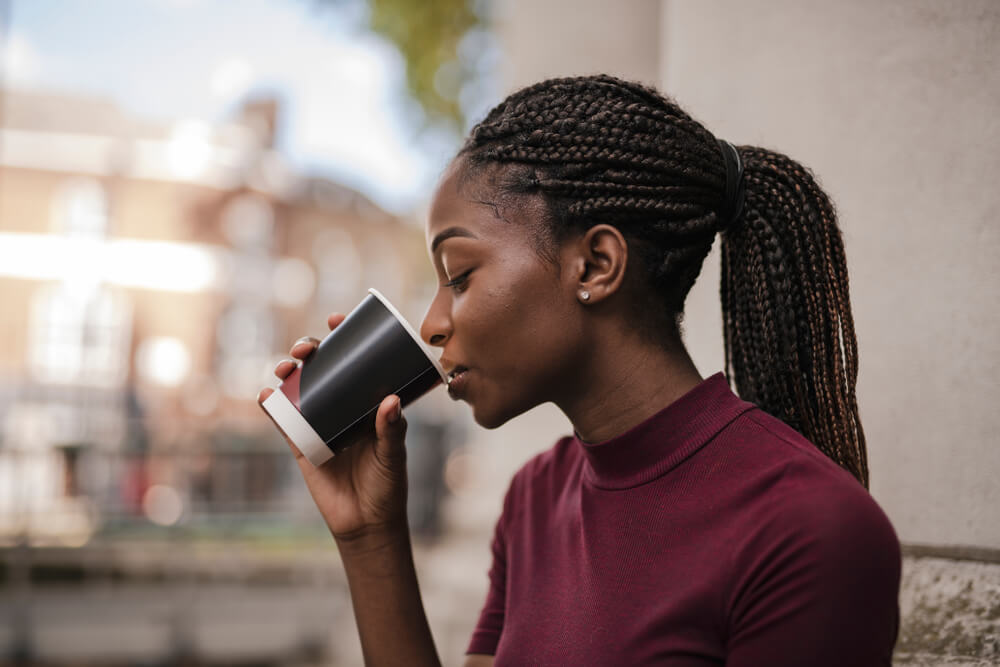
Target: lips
455,372
457,380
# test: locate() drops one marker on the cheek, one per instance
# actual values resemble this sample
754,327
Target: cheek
537,302
521,323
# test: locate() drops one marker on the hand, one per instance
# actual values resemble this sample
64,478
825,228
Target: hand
361,491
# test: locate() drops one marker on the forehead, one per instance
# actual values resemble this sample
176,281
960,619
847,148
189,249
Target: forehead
458,201
473,200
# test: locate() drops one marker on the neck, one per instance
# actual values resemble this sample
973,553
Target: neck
627,384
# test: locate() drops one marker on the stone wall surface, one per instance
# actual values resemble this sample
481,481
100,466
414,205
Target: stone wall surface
950,611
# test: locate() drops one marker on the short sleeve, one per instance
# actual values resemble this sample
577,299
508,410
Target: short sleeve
486,634
817,585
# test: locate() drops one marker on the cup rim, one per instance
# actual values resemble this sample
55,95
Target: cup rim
409,329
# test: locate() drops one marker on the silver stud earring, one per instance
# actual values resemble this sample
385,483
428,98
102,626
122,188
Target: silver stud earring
585,295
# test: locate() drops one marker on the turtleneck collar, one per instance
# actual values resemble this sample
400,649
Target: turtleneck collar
659,444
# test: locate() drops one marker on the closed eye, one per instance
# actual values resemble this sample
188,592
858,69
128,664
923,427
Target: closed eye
458,282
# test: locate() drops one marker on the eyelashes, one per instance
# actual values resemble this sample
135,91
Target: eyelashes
458,283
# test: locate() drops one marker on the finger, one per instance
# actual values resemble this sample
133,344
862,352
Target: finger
334,320
263,394
390,431
284,368
303,347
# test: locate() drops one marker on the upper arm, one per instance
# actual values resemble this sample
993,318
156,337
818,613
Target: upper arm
478,661
486,634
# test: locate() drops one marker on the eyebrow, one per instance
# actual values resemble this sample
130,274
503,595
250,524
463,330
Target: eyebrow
451,232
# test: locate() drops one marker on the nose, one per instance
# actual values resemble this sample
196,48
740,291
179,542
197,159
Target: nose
436,327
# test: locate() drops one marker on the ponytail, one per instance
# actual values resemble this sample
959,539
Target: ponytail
788,332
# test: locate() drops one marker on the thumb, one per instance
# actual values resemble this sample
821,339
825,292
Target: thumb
390,432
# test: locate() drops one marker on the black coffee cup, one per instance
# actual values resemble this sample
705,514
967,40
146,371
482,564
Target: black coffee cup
330,401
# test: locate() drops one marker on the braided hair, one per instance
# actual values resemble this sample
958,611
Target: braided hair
602,150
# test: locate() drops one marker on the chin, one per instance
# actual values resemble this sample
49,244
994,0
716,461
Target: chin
491,417
488,420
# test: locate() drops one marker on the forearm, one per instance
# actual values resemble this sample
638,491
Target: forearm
388,609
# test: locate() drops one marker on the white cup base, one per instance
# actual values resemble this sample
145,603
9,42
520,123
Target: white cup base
298,430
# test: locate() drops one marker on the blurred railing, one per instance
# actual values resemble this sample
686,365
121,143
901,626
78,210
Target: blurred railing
178,539
76,493
88,463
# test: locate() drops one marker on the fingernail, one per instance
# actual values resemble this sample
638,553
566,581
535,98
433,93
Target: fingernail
396,413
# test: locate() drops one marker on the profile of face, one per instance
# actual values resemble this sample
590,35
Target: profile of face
508,320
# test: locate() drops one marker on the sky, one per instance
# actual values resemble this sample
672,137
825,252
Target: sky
347,116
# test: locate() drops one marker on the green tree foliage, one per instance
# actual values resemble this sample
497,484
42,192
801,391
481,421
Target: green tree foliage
427,34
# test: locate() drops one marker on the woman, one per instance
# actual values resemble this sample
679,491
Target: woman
679,525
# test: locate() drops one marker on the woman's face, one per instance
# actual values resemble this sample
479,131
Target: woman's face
507,320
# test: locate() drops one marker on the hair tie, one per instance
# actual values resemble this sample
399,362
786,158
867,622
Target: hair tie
735,186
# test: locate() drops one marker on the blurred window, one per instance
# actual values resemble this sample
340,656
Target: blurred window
245,333
79,338
80,329
338,262
245,339
248,224
80,209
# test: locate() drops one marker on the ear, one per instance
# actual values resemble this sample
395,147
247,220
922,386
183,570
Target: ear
600,258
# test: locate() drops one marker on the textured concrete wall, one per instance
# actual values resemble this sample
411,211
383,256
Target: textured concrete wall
896,106
547,38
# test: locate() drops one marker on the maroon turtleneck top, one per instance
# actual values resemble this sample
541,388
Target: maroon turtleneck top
710,534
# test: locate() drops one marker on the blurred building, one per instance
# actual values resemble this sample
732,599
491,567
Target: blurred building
150,276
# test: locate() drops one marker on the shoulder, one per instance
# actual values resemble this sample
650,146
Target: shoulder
807,513
543,478
550,465
811,550
831,518
762,441
799,486
549,471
